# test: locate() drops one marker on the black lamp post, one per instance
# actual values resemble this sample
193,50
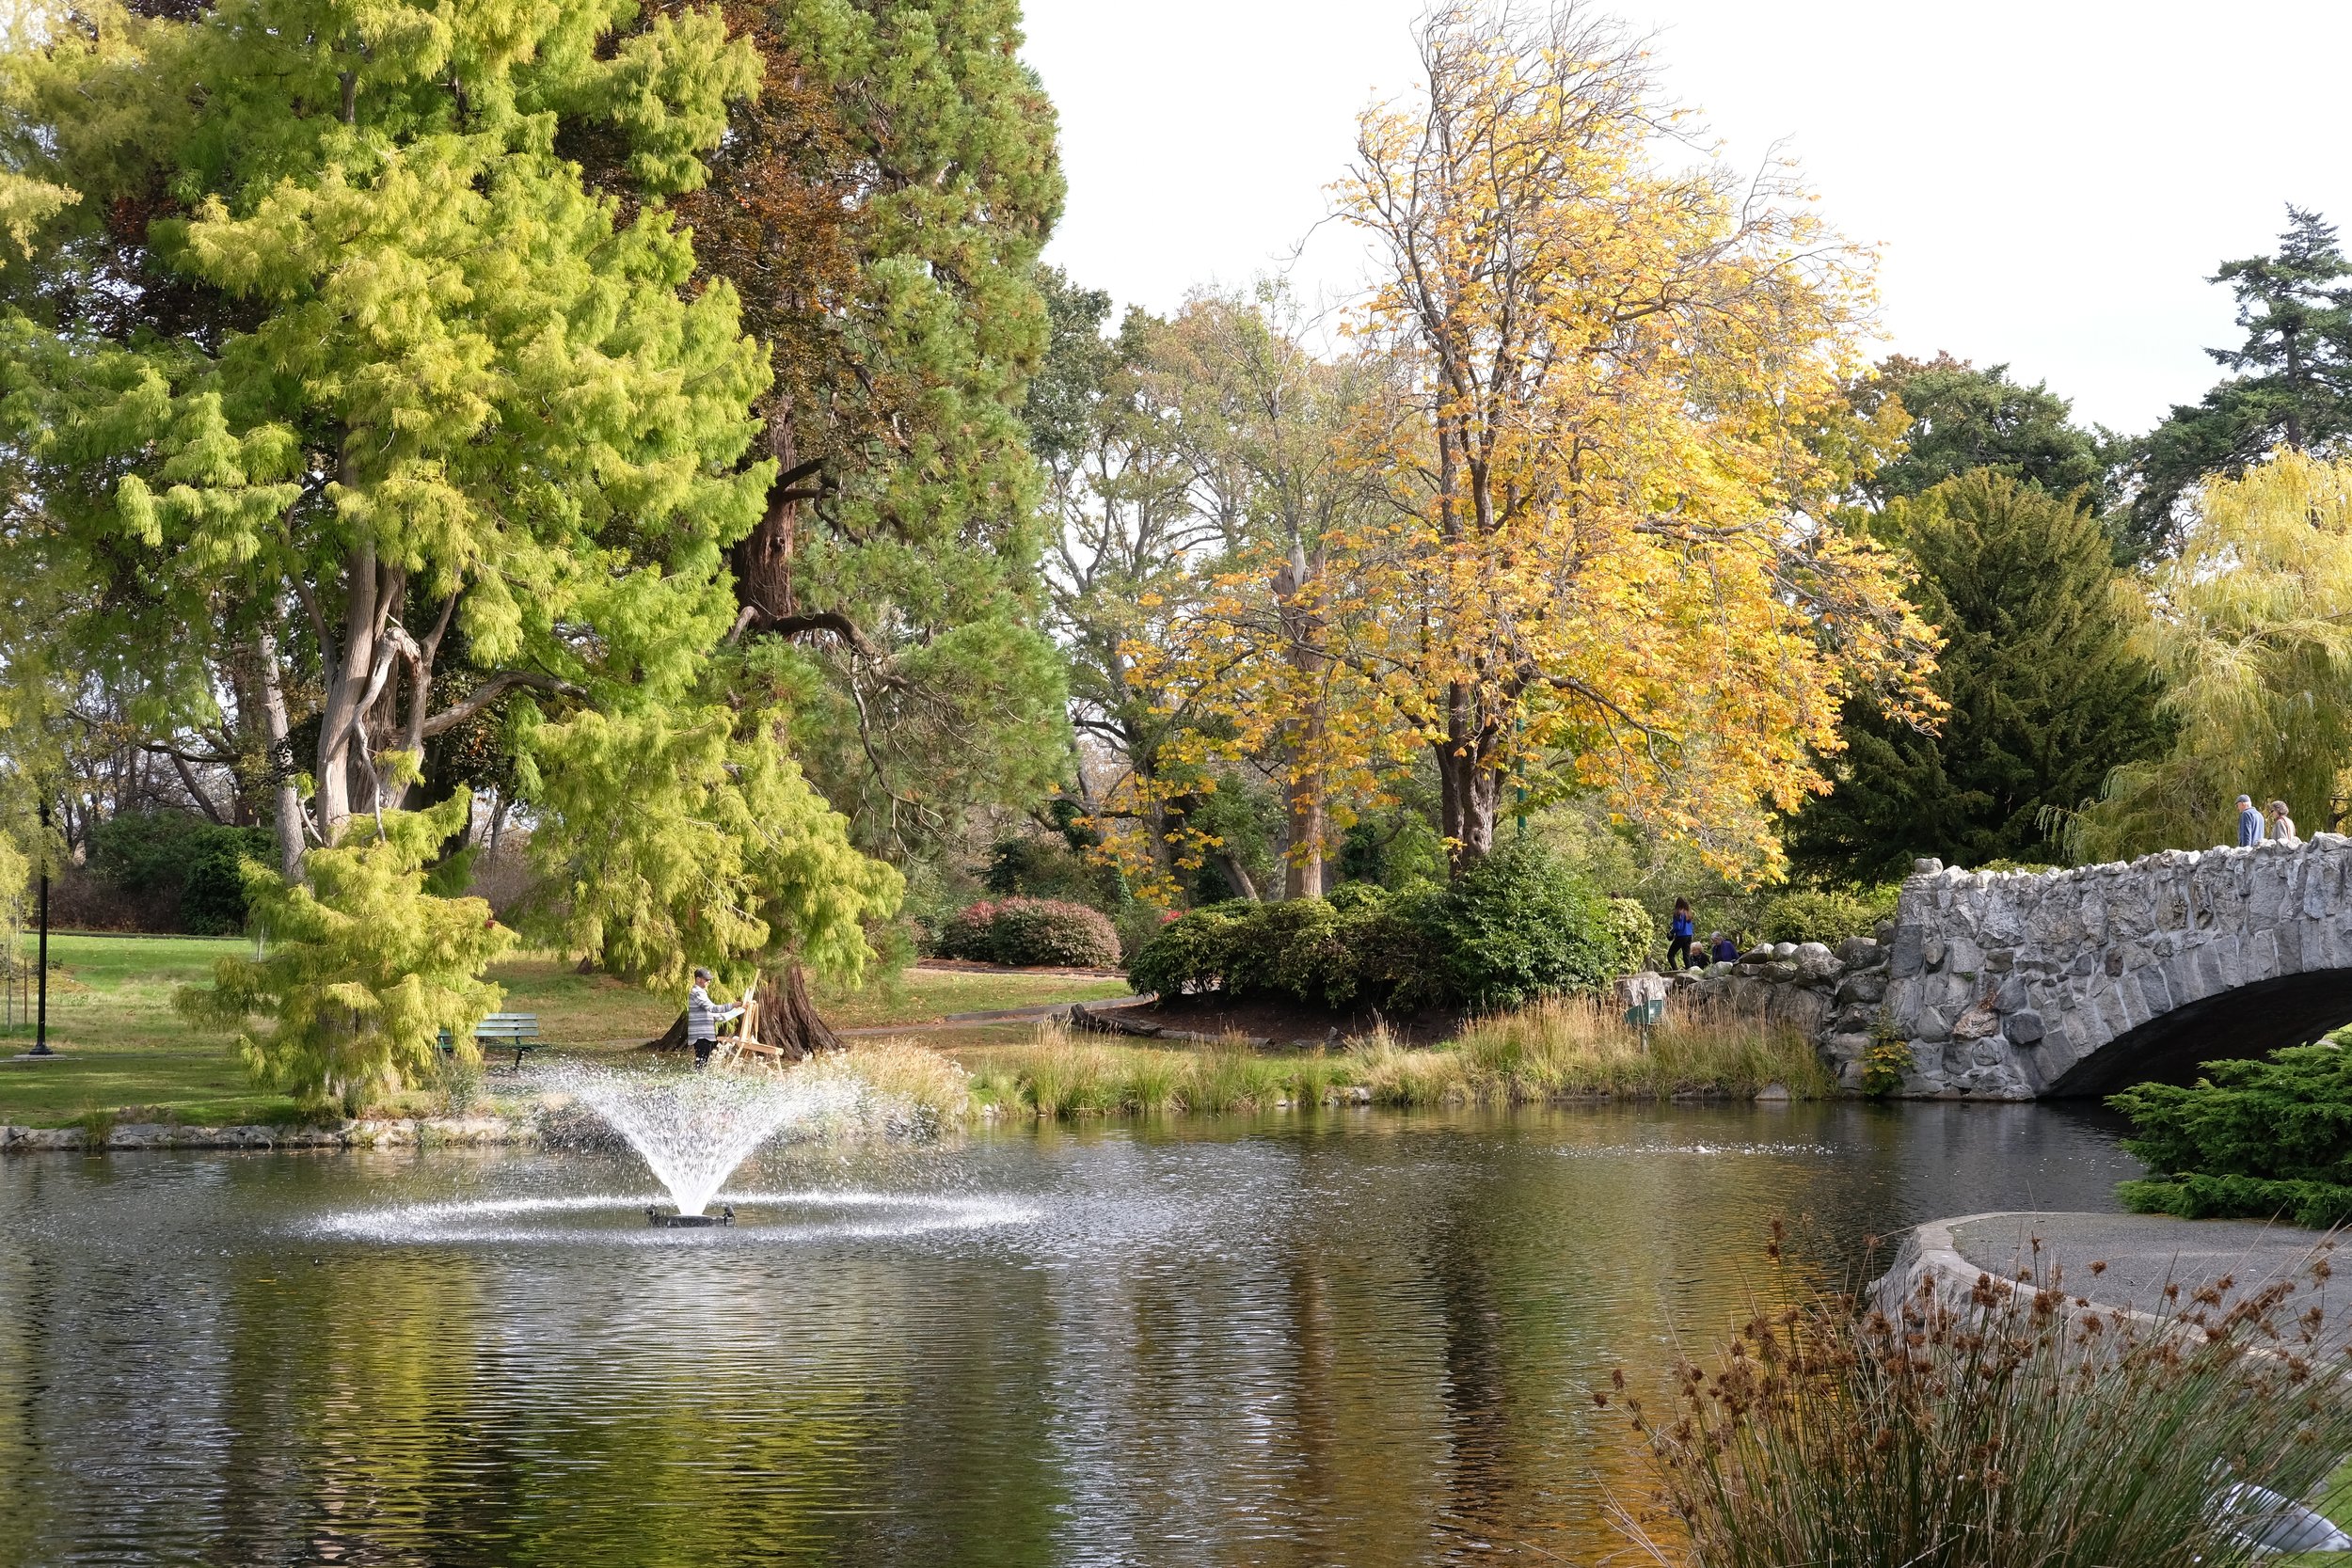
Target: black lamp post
41,1015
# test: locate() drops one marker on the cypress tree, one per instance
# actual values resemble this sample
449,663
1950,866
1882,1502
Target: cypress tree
2046,695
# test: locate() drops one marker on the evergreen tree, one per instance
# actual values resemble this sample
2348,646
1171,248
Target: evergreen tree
2291,384
1963,417
2046,695
323,360
879,210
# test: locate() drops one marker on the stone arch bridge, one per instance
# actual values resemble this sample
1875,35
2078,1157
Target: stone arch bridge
2019,985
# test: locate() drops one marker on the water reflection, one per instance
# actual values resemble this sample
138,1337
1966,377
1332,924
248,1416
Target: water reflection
1355,1339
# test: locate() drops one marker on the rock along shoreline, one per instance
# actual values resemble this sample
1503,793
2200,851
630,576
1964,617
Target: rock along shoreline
416,1132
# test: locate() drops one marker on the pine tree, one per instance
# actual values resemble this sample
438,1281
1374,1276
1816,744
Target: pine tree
2046,694
2292,385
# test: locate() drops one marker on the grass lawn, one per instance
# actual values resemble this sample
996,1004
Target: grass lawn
110,1014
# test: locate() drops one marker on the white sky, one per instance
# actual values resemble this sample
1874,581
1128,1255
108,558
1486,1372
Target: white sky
2049,184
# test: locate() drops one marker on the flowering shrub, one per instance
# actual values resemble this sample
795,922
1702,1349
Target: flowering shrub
1030,931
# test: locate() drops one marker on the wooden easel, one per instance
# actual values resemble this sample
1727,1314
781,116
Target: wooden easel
745,1041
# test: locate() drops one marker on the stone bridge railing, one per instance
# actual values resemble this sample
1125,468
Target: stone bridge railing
2017,985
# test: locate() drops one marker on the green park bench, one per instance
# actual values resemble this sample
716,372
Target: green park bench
518,1032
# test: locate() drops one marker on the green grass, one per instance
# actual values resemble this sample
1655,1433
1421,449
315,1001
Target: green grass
124,1048
111,1019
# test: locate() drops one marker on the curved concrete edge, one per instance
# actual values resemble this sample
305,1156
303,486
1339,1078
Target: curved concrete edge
1930,1252
423,1132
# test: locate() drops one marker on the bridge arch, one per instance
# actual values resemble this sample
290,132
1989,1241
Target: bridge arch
2019,985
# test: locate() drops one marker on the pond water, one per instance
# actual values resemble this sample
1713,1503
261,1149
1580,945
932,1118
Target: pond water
1350,1337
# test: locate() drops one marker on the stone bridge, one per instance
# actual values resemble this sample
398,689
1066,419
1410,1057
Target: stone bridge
2017,985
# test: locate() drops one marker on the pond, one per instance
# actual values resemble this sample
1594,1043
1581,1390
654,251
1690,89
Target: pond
1355,1336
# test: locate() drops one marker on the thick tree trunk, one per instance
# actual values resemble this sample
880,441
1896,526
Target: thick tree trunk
788,1019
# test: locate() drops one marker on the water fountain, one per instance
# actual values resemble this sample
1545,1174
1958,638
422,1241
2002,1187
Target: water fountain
693,1129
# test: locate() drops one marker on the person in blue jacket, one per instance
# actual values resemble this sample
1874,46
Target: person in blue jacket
2250,823
1678,936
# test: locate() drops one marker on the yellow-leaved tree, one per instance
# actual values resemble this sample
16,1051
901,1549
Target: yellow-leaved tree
1611,557
2251,626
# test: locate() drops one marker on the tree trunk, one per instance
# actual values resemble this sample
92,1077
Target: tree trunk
788,1019
1304,875
1302,635
1469,784
274,728
1236,874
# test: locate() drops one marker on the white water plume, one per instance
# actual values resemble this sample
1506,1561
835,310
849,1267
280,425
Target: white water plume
693,1129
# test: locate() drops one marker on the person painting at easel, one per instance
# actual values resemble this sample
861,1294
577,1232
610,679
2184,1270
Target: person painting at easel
703,1018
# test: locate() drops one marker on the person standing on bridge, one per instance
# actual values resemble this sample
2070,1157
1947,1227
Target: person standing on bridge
2282,825
2250,823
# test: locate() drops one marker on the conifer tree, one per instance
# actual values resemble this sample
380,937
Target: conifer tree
1960,417
879,210
2046,692
331,377
2291,386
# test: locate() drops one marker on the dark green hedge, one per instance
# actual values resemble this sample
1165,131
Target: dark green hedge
2251,1138
1516,926
178,852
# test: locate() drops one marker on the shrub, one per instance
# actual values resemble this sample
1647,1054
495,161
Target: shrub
365,968
2252,1138
1992,1429
182,857
1189,954
1635,932
1026,932
1827,915
1517,924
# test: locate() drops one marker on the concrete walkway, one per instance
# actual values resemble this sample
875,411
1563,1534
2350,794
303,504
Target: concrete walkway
2142,1254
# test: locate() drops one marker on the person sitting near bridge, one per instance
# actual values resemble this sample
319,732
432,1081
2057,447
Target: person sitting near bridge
2282,825
703,1018
1726,951
2250,823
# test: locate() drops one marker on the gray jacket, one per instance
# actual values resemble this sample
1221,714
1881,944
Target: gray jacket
701,1018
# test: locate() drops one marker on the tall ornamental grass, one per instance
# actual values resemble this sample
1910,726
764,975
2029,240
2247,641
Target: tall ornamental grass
1059,1077
1996,1427
1566,1047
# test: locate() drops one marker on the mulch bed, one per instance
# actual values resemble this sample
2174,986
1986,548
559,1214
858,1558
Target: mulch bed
1289,1024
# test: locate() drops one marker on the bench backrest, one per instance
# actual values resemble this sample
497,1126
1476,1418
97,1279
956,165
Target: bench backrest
508,1027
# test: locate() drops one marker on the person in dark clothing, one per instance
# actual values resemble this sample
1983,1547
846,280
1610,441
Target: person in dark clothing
1678,936
1726,950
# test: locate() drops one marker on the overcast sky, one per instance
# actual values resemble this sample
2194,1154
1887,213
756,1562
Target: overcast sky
2049,184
